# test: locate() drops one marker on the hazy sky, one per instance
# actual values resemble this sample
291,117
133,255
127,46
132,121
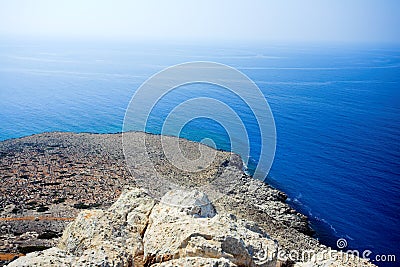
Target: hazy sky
281,20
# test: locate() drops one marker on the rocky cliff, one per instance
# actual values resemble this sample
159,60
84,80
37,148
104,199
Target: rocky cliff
48,179
137,231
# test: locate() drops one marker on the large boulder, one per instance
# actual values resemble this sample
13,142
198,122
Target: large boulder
116,233
176,231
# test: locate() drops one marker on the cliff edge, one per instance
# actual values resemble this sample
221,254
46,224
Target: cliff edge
48,179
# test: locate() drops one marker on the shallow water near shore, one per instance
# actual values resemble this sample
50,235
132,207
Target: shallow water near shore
336,111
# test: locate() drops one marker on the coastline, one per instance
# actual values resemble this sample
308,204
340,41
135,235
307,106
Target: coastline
56,175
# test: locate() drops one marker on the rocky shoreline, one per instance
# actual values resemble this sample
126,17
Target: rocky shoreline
48,179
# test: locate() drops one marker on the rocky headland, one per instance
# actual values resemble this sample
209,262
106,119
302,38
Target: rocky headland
69,200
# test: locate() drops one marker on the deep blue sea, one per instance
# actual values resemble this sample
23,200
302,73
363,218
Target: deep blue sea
336,109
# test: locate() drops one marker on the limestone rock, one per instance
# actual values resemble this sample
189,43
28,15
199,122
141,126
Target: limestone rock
173,233
116,232
135,231
48,257
196,261
192,202
334,259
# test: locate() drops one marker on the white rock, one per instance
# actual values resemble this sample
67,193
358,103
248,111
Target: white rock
196,261
192,202
48,257
173,233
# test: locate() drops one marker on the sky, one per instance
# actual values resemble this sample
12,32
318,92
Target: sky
348,21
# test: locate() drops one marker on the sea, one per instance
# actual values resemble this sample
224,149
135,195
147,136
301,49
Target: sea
336,109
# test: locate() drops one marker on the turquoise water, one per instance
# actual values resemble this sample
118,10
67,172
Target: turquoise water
336,111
